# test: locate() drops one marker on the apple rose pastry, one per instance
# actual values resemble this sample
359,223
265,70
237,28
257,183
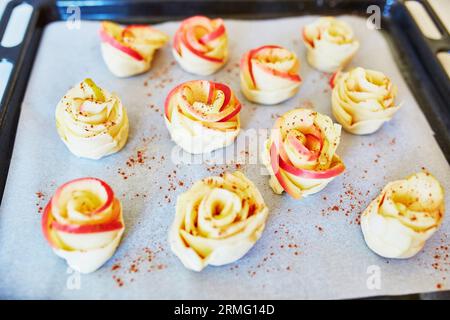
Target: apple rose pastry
83,223
129,50
92,122
200,45
300,153
217,221
362,100
404,216
330,44
202,116
269,74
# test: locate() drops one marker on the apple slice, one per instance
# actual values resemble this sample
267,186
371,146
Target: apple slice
198,53
46,225
111,34
250,57
211,112
221,116
265,74
305,37
114,224
282,179
167,103
64,192
55,220
226,91
333,171
308,150
213,35
333,78
216,107
195,33
96,90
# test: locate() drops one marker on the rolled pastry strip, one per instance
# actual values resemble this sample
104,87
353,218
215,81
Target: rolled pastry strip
200,45
362,100
83,223
330,44
269,74
300,153
217,221
404,216
92,122
129,50
202,116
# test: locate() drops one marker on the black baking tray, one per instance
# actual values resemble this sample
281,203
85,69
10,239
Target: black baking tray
415,55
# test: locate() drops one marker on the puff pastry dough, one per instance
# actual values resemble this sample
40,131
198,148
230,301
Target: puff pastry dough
330,44
217,221
362,100
92,122
404,216
269,74
202,116
83,223
301,153
200,45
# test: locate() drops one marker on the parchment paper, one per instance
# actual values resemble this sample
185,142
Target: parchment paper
311,248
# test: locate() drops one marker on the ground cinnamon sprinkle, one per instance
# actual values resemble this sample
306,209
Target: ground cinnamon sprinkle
154,108
139,157
118,280
441,258
351,202
145,261
115,267
40,203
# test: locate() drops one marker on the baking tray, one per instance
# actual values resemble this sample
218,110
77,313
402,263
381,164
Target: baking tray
22,56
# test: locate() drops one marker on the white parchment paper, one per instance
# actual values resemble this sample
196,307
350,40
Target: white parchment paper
311,248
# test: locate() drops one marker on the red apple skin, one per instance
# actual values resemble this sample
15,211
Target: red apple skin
310,174
212,90
192,40
113,224
299,147
219,117
274,160
333,78
109,192
204,20
236,110
226,91
167,102
93,228
311,43
181,36
303,150
199,53
48,222
46,225
176,42
113,42
286,75
251,53
278,164
213,35
215,117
